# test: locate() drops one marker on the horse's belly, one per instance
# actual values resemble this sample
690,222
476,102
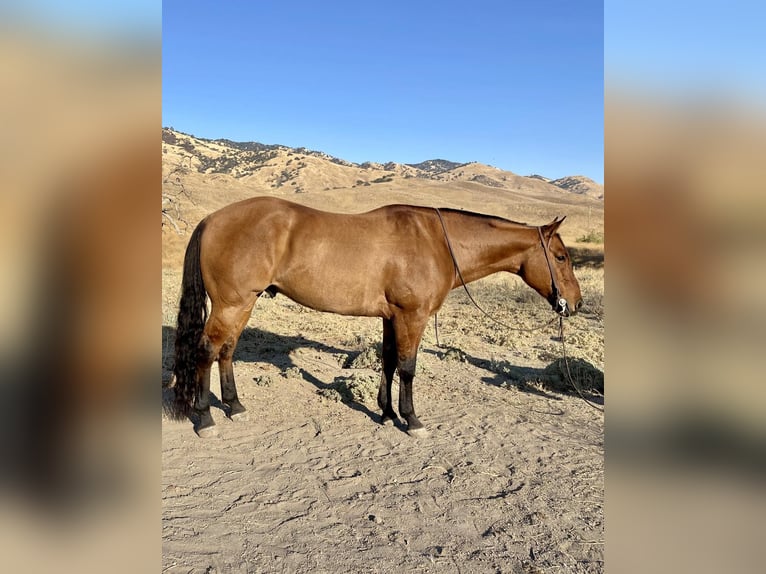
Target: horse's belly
337,299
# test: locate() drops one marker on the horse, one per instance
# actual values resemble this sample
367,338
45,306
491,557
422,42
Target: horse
397,262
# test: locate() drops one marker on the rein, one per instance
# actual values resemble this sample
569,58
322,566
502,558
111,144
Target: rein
470,297
568,372
555,296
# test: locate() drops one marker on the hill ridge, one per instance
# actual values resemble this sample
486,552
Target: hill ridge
277,165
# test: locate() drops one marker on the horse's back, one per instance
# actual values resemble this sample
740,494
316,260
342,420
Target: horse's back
344,263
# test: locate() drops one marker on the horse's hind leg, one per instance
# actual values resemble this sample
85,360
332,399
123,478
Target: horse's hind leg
206,425
228,389
229,398
219,338
388,359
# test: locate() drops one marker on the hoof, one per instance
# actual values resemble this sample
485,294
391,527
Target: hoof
418,432
388,420
241,417
207,432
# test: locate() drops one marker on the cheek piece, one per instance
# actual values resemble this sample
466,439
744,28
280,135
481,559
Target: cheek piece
558,303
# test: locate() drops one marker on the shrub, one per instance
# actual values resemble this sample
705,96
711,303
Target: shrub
358,387
592,236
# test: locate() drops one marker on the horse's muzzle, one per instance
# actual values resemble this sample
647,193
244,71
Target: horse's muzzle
562,307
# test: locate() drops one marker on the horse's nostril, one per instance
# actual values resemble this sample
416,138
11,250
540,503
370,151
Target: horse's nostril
578,305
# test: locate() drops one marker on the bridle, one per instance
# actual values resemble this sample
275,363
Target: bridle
459,274
558,303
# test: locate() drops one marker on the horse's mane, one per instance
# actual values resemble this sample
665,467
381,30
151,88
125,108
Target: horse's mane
489,218
481,215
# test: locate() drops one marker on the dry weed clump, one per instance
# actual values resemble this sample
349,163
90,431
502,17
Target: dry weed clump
293,373
455,355
587,377
357,387
368,358
592,236
263,380
554,377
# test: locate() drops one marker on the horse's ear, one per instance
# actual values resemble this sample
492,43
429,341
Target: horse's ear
552,227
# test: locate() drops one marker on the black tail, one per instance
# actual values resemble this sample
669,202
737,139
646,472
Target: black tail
192,315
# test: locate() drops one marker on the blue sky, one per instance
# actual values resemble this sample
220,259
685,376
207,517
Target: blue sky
96,17
518,85
690,49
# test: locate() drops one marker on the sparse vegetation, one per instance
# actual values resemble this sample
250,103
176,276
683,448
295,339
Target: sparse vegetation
493,399
241,159
284,176
173,192
356,387
592,236
368,358
169,137
484,180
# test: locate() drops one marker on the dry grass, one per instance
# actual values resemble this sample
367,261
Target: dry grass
592,236
514,460
326,184
512,448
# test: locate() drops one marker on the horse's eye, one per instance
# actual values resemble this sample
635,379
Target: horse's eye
561,257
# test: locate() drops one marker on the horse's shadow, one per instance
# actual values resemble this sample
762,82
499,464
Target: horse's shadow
548,382
257,346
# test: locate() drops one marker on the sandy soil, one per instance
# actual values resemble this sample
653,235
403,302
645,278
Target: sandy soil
509,479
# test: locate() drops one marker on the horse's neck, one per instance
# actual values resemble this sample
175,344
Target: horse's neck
483,246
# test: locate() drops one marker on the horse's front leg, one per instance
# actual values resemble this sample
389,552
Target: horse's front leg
406,406
409,330
388,359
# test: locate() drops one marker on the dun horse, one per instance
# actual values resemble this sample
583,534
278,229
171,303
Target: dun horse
397,262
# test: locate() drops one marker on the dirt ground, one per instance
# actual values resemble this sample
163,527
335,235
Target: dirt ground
509,479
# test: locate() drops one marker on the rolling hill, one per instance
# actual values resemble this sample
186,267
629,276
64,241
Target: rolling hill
201,175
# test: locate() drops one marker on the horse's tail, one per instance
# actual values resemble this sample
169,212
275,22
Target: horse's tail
192,315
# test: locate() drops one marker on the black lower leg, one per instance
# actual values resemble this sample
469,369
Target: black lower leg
202,402
228,387
388,359
384,396
406,406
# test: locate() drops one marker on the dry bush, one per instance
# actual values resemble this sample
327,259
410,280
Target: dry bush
559,374
592,236
368,358
357,387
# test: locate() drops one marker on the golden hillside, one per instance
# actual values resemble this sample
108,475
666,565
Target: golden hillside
200,176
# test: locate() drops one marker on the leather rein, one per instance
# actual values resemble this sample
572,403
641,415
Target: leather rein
459,274
556,301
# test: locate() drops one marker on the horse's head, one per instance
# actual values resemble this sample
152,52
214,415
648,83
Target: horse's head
548,270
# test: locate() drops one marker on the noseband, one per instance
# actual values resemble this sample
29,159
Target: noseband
558,303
